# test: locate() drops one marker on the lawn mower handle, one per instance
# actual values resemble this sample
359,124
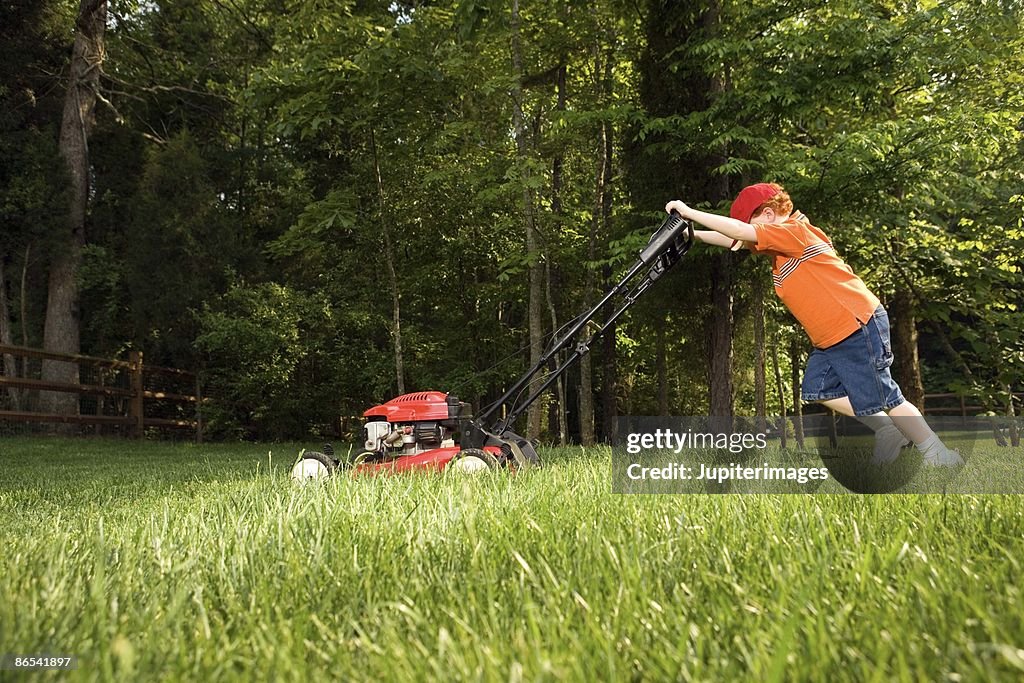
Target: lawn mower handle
666,247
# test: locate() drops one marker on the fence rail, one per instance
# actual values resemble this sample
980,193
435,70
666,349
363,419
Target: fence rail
132,416
961,407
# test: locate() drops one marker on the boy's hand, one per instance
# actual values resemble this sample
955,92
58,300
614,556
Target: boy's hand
730,227
678,207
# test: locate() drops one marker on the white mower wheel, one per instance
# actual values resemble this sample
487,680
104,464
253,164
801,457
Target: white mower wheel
313,466
362,458
472,461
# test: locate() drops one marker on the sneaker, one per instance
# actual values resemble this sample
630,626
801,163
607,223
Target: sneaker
889,441
947,457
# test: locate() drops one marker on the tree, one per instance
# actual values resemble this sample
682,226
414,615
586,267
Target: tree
33,179
61,333
681,152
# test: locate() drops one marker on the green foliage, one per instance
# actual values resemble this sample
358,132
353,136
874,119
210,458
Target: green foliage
257,145
180,244
259,342
33,190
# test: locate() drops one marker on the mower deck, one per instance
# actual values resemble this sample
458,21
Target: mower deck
435,460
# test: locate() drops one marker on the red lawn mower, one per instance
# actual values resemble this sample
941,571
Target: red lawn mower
434,431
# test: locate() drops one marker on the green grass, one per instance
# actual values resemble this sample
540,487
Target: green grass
175,562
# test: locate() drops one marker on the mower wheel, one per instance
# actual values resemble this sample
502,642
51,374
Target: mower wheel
314,465
473,460
365,456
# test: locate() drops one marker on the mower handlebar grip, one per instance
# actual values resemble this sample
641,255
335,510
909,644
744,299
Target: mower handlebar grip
664,236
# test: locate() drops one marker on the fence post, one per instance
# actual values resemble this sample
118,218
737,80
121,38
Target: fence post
136,406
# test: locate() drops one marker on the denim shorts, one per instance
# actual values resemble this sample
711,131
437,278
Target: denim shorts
857,367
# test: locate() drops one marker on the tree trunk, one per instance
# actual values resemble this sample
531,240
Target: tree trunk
760,385
781,389
907,366
586,390
1011,413
661,366
586,409
937,328
720,384
389,261
61,331
721,398
7,337
609,376
557,416
536,273
23,303
796,361
610,372
590,294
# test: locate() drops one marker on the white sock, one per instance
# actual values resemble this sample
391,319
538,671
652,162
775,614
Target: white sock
888,438
932,446
880,422
938,454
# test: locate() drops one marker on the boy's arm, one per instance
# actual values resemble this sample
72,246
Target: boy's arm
730,227
715,238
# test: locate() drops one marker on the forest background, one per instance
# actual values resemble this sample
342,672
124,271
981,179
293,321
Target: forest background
320,205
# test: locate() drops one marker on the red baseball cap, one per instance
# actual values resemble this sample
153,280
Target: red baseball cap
749,199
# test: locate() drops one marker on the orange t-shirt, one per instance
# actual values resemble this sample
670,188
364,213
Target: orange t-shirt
817,286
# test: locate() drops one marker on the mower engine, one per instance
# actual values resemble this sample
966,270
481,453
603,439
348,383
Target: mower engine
413,423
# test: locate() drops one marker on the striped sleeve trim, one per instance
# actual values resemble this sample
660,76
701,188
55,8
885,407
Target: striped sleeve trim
792,264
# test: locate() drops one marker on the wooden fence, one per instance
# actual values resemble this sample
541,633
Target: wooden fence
954,404
130,401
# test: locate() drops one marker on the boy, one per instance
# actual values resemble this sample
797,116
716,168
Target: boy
848,370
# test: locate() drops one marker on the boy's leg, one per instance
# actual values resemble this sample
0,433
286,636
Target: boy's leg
822,384
911,422
889,440
861,362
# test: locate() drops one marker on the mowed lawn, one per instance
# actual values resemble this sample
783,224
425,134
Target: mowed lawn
154,561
